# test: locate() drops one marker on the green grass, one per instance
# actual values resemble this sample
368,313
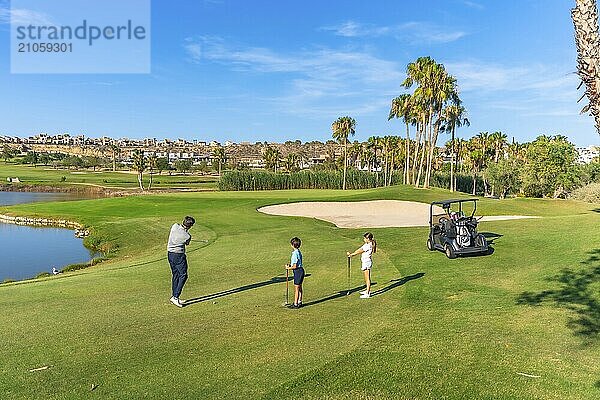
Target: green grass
47,175
450,329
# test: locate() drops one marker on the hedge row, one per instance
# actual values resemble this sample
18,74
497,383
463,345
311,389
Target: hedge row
262,180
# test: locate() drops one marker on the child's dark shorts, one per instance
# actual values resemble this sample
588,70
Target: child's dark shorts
298,276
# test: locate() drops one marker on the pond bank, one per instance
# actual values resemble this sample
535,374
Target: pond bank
80,230
82,189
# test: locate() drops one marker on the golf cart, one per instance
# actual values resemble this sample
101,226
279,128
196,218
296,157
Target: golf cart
452,231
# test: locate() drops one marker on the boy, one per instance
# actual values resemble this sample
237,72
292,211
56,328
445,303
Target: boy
296,266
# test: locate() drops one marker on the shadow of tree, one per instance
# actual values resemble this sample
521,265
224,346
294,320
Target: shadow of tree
578,292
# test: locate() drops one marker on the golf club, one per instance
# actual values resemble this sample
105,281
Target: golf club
348,293
287,285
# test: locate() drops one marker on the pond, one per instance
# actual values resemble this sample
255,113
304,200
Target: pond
28,251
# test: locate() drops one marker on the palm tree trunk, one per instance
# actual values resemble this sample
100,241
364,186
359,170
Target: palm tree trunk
407,160
385,166
485,185
345,162
415,158
452,186
474,182
391,169
432,141
585,21
140,179
423,150
456,171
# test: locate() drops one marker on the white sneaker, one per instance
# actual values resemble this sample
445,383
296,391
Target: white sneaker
176,301
363,292
366,295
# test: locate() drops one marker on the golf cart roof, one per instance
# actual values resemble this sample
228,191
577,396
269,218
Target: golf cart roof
446,203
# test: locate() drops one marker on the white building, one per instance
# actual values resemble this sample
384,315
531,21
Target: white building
587,154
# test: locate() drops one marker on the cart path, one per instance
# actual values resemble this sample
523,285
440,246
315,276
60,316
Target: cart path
368,214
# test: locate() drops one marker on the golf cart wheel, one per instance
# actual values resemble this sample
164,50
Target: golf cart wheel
449,251
429,245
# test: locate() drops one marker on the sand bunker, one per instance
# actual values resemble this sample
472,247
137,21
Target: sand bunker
367,214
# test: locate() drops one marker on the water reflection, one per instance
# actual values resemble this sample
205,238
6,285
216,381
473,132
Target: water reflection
27,251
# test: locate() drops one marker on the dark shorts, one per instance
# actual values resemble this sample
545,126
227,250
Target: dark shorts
298,276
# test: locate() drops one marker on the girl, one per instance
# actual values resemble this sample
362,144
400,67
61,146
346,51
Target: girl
366,251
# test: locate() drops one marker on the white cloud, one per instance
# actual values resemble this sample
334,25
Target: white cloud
320,80
488,77
21,16
473,4
547,92
411,32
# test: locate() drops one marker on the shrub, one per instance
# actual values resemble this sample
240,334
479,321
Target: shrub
75,267
263,180
464,183
589,193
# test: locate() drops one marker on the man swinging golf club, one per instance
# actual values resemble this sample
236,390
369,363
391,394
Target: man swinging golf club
178,239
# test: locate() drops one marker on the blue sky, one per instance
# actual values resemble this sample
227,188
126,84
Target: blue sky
255,70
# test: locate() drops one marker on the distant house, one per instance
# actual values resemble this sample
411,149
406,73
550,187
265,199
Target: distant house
587,154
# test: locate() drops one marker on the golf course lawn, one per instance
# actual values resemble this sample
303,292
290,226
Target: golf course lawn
47,175
522,323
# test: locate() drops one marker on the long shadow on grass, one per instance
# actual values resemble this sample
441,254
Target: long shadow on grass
397,282
228,292
343,293
577,292
491,236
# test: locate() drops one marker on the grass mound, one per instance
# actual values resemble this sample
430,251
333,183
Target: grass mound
520,323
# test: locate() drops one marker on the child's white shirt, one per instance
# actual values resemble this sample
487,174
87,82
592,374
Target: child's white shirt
365,256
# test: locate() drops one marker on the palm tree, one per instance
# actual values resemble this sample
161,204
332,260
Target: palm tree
402,107
453,116
444,89
461,148
498,143
271,157
374,144
291,162
355,153
342,128
367,158
484,143
396,153
517,151
152,163
435,87
139,164
587,39
115,151
475,161
220,156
